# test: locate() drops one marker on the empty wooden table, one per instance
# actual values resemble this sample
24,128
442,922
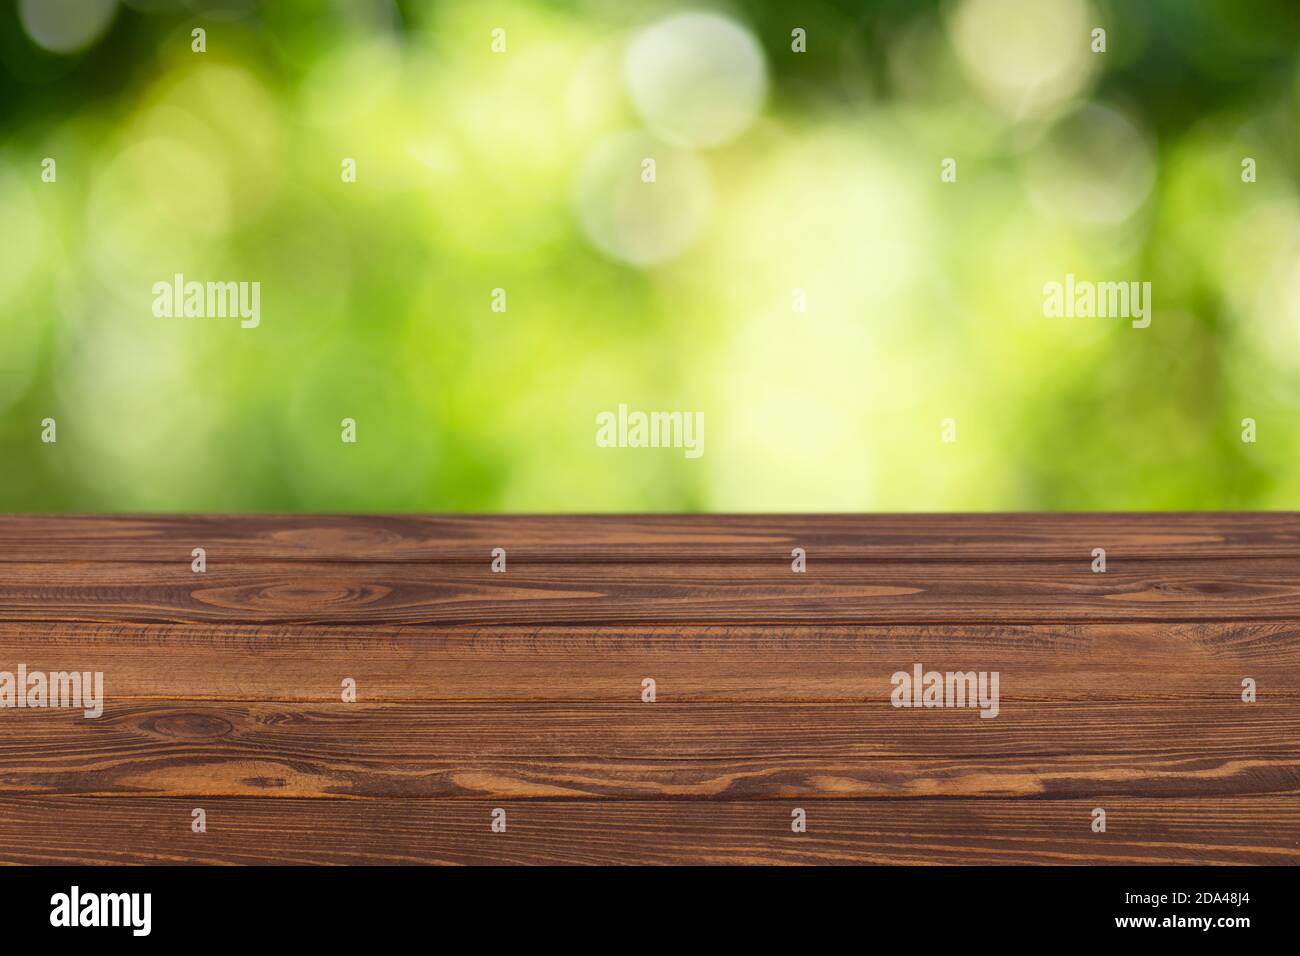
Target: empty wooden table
660,689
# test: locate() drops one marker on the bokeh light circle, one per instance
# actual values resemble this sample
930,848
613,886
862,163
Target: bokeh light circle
635,221
65,26
1093,168
1024,56
697,79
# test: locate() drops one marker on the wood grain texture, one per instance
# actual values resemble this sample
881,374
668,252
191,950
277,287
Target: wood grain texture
1257,830
767,750
675,539
986,592
522,690
832,662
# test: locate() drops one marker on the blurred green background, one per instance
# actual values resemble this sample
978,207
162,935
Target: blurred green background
775,171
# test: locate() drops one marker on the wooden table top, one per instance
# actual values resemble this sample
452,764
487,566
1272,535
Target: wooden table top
776,698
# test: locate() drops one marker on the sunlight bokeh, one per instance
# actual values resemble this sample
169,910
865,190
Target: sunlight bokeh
476,226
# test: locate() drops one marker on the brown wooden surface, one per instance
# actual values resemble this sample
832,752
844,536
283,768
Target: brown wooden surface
385,830
522,690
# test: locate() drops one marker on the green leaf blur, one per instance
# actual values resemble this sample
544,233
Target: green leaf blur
520,170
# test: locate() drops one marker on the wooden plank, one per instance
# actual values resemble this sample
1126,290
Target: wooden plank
766,750
606,593
677,539
71,830
521,689
304,663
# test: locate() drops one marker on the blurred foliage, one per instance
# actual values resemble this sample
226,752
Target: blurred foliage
520,170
